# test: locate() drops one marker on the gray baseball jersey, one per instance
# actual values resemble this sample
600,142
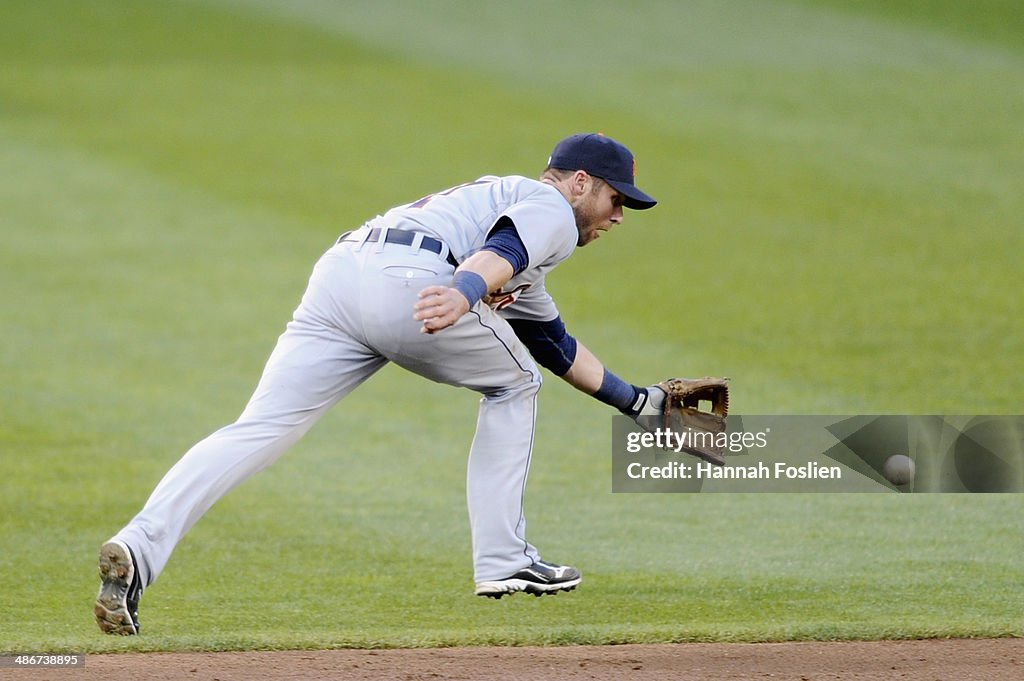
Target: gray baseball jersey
462,218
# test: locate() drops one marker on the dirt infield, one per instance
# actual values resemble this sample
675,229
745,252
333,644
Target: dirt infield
934,660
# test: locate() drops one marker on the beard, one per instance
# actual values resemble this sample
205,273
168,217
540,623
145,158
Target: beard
586,224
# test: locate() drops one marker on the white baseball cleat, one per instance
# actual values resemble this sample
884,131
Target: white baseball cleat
538,579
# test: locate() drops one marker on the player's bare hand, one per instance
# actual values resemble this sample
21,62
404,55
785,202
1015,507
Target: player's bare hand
439,307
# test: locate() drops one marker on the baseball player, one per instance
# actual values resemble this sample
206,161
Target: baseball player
450,287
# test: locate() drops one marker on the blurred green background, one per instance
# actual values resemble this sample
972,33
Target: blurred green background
841,188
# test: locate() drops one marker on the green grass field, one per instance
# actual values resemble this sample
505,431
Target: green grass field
840,229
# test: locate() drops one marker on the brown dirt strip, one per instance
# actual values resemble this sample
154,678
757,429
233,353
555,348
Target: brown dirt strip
930,660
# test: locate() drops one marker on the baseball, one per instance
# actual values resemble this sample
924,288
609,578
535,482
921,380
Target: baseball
899,469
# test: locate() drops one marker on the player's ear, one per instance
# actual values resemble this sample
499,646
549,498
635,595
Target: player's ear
580,180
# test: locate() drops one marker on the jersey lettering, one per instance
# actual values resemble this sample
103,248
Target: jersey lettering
430,197
500,299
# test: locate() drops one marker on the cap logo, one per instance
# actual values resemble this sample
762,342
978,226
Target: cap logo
634,167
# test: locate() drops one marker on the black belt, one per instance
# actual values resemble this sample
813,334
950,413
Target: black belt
404,237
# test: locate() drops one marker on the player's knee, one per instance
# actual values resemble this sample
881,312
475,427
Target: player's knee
526,388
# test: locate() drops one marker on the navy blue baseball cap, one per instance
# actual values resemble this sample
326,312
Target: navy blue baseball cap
605,158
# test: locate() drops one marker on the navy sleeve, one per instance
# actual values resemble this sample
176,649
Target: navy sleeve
548,342
504,240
